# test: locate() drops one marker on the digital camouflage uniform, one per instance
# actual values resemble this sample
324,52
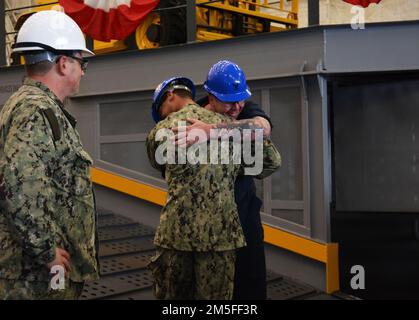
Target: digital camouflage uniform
199,226
46,196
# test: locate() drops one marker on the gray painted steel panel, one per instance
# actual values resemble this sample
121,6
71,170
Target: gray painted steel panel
136,209
380,47
295,266
377,48
320,160
143,70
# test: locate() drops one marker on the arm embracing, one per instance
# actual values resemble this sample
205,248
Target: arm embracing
271,159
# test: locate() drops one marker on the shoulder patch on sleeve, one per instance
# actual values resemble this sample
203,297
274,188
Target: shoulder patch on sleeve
53,122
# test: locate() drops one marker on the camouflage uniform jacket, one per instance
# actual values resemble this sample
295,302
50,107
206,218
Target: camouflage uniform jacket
46,196
200,213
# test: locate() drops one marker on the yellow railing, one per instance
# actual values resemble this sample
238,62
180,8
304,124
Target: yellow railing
252,9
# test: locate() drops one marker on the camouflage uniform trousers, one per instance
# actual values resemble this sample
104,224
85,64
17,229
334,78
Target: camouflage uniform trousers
37,290
191,275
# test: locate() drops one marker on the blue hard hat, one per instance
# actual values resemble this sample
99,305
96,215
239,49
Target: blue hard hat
227,82
167,85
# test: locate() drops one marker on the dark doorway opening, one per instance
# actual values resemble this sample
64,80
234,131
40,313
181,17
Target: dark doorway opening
375,209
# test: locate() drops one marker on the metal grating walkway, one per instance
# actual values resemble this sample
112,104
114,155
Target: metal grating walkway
125,249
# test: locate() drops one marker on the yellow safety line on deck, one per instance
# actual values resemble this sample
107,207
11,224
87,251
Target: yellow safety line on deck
326,253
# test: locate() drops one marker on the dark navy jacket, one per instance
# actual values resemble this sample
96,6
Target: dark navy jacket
245,189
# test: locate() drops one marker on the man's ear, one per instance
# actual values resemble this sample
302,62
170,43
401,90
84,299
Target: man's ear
212,99
62,65
211,103
170,96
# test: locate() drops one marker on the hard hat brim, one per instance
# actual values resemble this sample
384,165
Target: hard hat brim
234,97
85,52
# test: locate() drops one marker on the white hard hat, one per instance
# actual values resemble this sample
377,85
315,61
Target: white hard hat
51,30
